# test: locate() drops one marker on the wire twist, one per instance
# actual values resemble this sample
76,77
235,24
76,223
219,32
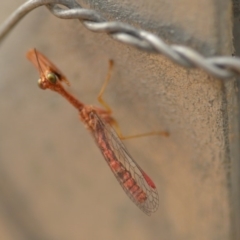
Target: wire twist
221,67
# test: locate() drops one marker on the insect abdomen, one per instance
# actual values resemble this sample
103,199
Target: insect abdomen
127,181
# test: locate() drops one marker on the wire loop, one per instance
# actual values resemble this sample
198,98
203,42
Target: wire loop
222,67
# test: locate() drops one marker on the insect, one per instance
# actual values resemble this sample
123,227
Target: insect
135,182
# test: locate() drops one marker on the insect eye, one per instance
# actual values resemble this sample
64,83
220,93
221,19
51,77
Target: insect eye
52,78
40,83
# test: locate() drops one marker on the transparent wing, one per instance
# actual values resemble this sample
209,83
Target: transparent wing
135,182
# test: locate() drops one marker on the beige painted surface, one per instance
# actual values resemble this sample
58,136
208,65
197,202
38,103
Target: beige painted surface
54,183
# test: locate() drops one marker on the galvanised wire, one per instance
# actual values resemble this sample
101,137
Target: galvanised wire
221,67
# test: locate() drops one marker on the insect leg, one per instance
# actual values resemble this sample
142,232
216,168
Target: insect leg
117,128
100,99
107,114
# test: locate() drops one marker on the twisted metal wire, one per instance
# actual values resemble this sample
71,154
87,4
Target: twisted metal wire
221,67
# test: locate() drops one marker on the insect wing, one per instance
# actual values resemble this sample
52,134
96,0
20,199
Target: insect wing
135,182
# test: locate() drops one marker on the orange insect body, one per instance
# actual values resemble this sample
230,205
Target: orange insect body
135,182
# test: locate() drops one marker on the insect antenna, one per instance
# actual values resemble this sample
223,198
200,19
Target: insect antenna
39,65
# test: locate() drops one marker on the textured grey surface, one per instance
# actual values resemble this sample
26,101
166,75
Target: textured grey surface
222,67
51,167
